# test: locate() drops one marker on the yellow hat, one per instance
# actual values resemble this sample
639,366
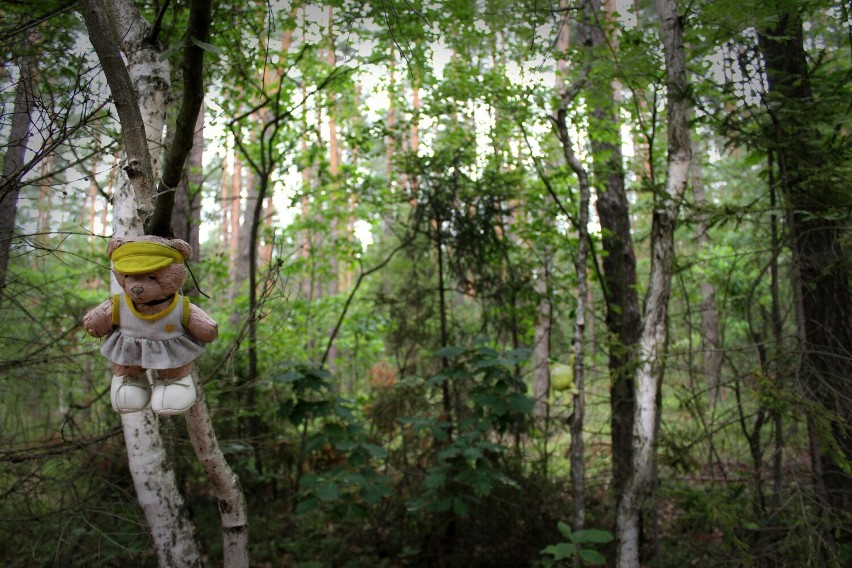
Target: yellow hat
139,258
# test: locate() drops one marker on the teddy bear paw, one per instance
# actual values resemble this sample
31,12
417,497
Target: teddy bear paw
172,397
129,394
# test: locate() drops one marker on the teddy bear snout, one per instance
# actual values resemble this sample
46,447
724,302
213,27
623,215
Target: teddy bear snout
137,290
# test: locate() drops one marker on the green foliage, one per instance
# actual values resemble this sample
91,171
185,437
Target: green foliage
574,547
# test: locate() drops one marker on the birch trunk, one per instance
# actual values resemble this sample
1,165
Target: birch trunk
578,468
172,532
653,340
226,484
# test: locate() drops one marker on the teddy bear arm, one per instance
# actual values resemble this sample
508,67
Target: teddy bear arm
98,321
201,326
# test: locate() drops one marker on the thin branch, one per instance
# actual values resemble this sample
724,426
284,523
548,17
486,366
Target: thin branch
351,296
151,38
198,30
36,21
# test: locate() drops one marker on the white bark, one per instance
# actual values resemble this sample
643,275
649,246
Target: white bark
232,504
172,532
156,490
578,464
653,338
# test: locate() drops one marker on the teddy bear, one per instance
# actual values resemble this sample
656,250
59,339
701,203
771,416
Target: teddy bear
151,326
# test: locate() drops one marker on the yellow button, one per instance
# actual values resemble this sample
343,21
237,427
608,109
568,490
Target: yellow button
170,327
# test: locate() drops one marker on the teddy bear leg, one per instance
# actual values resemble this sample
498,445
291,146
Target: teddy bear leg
130,390
174,391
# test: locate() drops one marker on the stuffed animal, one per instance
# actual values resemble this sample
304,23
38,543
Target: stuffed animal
151,326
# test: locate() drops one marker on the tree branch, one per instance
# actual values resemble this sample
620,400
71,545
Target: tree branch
138,165
198,30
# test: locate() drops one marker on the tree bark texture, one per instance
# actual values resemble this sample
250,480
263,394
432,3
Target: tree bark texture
14,160
541,341
172,532
815,202
104,27
226,484
198,30
619,261
711,356
653,339
578,467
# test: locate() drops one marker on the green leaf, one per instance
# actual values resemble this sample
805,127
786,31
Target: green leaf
307,505
328,491
564,529
206,46
520,403
592,535
450,352
375,451
459,507
560,551
592,556
172,48
288,377
435,480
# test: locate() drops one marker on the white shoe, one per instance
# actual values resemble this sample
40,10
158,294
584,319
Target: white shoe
172,397
129,394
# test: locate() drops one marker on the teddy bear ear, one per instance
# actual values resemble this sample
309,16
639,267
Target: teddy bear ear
114,244
182,247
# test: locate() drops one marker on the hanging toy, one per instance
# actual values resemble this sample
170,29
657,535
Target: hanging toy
151,326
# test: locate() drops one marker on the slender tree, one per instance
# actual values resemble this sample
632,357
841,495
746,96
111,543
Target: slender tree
13,161
619,260
654,332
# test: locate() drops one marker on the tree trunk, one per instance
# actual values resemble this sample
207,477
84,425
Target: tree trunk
172,532
578,464
653,340
619,260
711,356
541,341
226,485
14,160
820,259
336,201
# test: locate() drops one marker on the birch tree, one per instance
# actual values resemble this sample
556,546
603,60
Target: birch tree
654,330
143,85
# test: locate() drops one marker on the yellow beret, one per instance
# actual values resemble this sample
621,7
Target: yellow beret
139,258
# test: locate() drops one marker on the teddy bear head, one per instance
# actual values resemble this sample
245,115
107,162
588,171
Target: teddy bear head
149,269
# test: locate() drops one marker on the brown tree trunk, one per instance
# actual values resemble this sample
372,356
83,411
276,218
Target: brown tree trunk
820,260
619,261
711,356
14,160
